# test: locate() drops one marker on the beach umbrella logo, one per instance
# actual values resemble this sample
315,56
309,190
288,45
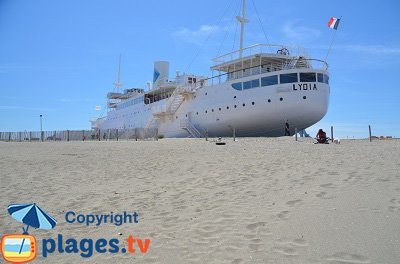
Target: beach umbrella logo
22,248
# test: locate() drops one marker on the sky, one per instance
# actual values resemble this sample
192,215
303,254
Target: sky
60,58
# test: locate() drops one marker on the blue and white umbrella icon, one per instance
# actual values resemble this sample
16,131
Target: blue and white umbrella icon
31,215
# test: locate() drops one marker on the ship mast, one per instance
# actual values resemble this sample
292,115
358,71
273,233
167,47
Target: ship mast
242,20
118,84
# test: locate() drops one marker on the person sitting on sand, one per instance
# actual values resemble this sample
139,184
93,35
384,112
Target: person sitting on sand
321,136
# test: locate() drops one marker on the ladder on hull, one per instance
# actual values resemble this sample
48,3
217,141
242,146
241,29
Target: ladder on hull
172,104
190,128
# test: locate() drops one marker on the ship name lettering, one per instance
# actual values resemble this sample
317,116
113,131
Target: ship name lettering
304,87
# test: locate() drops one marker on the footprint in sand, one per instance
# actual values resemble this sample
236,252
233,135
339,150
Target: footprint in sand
294,202
328,185
347,258
285,250
324,195
290,247
255,244
395,205
255,225
284,215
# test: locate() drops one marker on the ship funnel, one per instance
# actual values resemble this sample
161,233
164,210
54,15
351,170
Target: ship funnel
161,72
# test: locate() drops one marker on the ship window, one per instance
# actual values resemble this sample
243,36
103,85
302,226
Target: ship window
235,106
304,97
320,77
307,77
206,111
269,100
326,79
220,109
244,105
289,78
212,110
270,80
281,99
251,84
197,113
252,103
227,107
237,86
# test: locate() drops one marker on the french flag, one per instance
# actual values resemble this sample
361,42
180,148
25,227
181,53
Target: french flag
334,23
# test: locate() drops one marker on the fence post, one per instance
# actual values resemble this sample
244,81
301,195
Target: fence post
67,135
206,134
234,134
332,133
9,136
99,135
42,135
295,133
20,136
108,137
83,135
136,137
117,134
370,137
30,136
55,132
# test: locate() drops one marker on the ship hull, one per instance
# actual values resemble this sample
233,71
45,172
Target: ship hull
220,110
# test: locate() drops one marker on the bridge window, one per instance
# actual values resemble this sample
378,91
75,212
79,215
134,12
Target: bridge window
289,78
326,79
237,86
320,77
307,77
270,80
251,84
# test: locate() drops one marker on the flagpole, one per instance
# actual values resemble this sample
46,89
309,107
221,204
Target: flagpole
333,38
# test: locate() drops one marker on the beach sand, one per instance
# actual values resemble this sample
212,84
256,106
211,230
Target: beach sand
257,200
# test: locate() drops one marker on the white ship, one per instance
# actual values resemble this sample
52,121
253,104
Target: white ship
253,91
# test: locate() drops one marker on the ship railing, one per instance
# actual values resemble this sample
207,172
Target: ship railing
258,49
290,64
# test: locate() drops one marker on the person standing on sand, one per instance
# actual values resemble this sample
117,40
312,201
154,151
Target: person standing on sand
287,130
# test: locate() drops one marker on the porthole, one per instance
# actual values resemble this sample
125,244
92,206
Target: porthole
227,107
220,109
234,97
212,110
235,106
269,100
206,111
244,105
176,117
206,93
197,113
304,97
281,99
252,103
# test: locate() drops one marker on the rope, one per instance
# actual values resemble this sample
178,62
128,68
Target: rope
261,24
228,29
208,37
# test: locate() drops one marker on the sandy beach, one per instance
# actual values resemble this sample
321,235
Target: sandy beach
257,200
